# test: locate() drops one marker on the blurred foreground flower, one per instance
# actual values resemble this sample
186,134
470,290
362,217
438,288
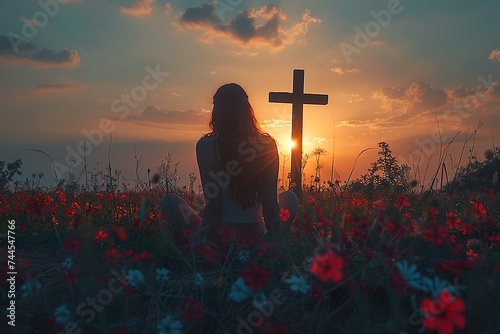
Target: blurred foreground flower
192,310
134,277
260,301
169,325
298,284
444,314
284,215
256,276
328,267
198,279
239,291
67,263
29,288
410,274
162,274
62,314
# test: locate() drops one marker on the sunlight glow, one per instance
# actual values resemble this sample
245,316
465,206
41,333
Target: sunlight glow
292,144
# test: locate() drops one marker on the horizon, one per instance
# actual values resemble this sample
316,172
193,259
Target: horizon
395,71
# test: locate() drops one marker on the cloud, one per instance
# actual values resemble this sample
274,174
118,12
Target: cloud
168,9
495,55
412,107
14,50
337,70
340,71
189,118
58,87
274,123
419,96
139,8
250,28
459,92
355,98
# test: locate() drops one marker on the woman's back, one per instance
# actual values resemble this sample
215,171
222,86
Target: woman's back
259,155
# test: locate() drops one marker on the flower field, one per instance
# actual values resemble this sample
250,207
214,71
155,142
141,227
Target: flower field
351,262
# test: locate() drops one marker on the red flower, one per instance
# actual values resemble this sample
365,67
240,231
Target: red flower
452,221
402,201
478,209
433,212
396,228
72,245
378,205
444,314
113,255
435,234
70,277
284,215
71,211
256,276
192,310
207,252
100,236
227,234
119,232
472,255
141,257
454,266
328,266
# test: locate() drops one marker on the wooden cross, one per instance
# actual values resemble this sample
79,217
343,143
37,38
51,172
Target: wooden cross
297,98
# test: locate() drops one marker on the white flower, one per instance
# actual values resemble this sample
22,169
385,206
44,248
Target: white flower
298,284
239,291
436,286
198,279
29,288
68,263
162,274
260,301
410,274
244,255
134,277
62,314
169,325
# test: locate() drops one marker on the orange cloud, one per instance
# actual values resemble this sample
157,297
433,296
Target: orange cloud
418,96
250,28
139,8
495,55
340,71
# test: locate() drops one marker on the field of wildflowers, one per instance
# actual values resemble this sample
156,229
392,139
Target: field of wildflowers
103,260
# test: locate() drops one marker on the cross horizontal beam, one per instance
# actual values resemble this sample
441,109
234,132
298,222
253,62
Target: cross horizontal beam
285,97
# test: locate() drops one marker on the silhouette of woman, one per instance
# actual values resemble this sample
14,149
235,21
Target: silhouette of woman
238,165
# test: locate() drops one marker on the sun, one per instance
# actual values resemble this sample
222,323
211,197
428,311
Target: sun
292,144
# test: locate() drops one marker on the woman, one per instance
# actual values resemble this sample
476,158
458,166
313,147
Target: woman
238,166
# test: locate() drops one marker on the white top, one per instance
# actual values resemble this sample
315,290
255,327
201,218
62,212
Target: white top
233,214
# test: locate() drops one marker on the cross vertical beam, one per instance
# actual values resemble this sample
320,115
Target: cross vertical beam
297,98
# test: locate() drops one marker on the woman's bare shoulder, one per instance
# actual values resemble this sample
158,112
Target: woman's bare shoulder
268,141
205,142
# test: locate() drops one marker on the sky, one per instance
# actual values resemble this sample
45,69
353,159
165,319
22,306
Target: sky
132,81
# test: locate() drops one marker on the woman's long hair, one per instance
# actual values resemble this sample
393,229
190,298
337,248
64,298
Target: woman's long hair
233,122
